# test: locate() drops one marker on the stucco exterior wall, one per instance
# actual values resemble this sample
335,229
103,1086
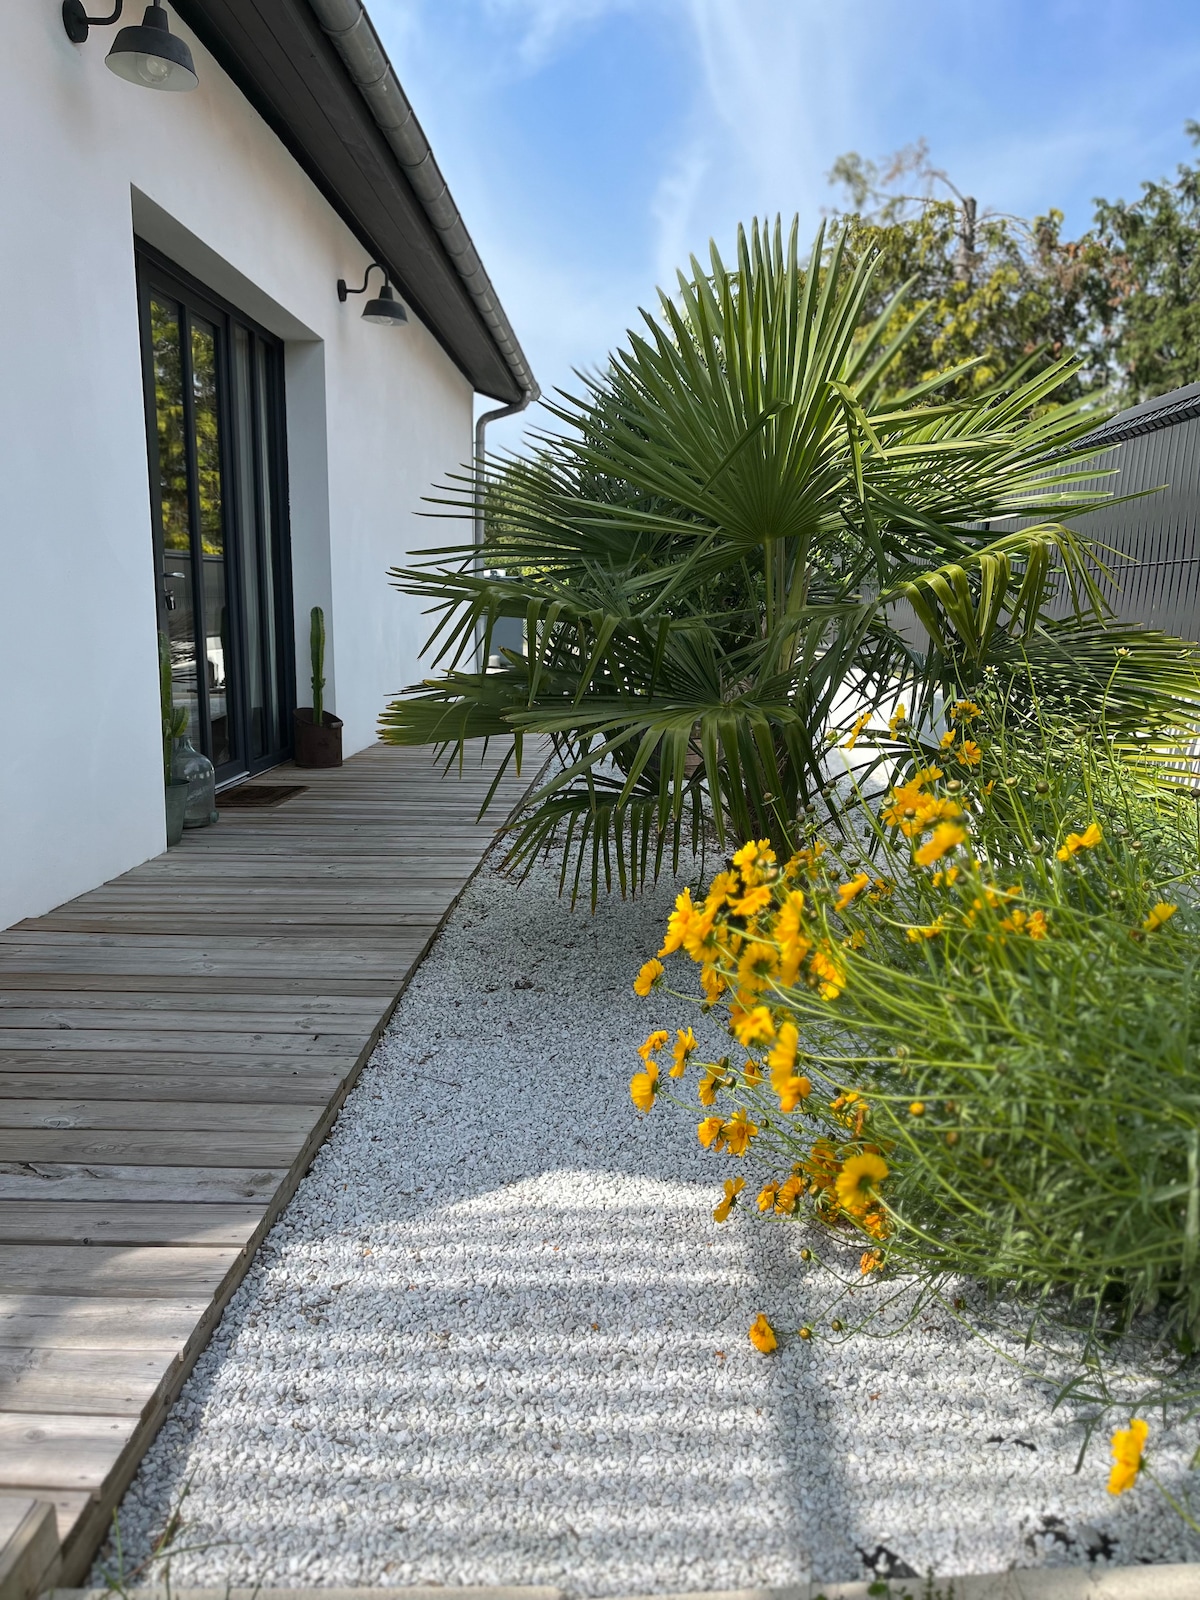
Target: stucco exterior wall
375,416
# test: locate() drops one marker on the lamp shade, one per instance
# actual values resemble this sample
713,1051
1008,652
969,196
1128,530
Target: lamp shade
386,309
151,55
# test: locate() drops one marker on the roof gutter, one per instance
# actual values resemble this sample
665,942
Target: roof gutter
355,39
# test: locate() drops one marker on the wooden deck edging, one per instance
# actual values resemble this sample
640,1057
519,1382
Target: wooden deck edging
174,1048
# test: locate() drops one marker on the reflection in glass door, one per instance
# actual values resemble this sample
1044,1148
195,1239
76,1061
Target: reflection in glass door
214,403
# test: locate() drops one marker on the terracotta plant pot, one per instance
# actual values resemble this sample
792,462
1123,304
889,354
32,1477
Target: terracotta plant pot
317,747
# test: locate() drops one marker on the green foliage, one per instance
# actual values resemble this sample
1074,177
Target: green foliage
174,718
997,290
1153,311
1017,1014
316,647
709,556
1122,298
171,419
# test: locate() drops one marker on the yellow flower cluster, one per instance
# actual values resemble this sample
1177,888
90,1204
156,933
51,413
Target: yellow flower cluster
759,931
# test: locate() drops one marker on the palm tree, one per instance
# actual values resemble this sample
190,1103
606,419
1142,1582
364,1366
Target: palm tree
710,555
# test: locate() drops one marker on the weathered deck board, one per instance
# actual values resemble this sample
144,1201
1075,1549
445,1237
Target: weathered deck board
174,1047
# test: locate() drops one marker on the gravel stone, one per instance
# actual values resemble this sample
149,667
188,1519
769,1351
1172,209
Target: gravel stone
497,1338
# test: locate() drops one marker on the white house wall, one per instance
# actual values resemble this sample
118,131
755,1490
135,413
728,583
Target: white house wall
375,415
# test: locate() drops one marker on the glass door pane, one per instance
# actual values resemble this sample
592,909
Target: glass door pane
175,515
268,384
218,655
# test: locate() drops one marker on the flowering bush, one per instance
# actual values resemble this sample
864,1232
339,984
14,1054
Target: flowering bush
964,1022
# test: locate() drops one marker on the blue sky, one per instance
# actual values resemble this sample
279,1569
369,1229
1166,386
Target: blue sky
593,144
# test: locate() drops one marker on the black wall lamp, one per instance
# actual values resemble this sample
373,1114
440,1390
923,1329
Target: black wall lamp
150,54
385,309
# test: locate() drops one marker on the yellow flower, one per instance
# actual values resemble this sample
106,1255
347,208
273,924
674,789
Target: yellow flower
754,861
931,931
766,1196
752,1072
857,1180
1128,1445
791,1091
655,1041
757,965
698,941
643,1086
948,738
946,836
945,877
709,1084
762,1335
1160,913
782,1056
911,810
752,902
1032,923
789,1195
685,1043
870,1261
738,1132
876,1223
898,716
709,1132
751,1027
720,889
926,775
647,978
855,940
970,753
1088,840
678,923
917,1109
804,860
849,892
712,983
790,920
964,711
856,730
733,1187
830,978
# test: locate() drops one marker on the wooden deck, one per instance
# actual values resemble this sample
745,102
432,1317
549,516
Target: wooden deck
174,1047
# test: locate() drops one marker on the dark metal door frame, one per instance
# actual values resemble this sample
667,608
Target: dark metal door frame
267,421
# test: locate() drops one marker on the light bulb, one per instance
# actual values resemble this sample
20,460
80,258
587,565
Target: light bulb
153,71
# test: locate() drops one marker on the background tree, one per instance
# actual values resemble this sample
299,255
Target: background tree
994,287
1150,315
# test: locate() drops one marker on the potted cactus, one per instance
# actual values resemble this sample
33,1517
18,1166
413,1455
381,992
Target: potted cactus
174,726
318,732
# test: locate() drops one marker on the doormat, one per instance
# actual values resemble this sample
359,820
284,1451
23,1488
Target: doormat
254,796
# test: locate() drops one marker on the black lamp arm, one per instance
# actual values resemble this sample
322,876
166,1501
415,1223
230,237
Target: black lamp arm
77,22
344,292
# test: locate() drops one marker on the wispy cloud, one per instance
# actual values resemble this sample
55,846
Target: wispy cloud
540,28
593,145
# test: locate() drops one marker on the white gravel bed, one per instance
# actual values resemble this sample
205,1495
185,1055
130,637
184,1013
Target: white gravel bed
497,1337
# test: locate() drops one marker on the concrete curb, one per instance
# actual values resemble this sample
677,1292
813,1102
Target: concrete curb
433,1592
1045,1583
1048,1583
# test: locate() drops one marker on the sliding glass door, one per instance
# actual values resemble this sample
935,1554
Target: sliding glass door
214,418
